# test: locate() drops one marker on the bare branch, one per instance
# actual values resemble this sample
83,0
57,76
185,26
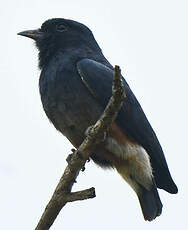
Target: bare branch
77,159
81,195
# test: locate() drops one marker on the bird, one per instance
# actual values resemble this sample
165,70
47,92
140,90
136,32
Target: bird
75,86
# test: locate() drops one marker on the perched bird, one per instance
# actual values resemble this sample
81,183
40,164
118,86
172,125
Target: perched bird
75,86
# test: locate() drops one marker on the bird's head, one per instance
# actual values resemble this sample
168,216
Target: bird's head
60,34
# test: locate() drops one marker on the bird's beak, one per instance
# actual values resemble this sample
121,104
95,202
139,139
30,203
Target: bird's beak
34,34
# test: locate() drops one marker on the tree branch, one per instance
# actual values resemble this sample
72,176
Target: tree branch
81,195
78,158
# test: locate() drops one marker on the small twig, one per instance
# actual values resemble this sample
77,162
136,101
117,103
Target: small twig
81,195
78,158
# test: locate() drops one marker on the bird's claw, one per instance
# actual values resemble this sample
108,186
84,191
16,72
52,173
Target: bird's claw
83,168
88,160
101,139
69,158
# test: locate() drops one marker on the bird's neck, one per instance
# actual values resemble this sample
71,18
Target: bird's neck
75,52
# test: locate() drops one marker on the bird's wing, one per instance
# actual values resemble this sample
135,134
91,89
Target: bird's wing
131,119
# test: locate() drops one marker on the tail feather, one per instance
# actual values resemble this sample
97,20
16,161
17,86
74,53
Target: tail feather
150,202
148,195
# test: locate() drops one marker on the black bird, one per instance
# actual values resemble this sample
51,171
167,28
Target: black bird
75,86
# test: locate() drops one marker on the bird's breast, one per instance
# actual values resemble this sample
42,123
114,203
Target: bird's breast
68,104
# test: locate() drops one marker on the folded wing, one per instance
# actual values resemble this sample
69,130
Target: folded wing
98,80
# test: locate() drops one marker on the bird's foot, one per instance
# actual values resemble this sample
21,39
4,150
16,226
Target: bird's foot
69,158
83,168
100,139
73,150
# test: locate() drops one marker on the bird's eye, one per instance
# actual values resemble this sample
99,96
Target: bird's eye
61,28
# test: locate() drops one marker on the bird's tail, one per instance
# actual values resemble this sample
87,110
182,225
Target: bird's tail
150,202
149,198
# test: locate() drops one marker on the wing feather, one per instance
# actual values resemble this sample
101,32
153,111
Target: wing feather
98,80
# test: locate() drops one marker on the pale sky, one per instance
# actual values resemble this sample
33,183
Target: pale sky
149,40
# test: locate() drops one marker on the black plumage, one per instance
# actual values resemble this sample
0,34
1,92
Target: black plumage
75,86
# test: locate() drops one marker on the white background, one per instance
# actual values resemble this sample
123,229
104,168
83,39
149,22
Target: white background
149,40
